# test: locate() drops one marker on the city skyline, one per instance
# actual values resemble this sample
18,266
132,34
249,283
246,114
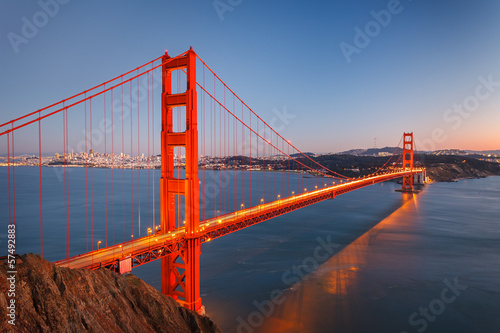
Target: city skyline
375,69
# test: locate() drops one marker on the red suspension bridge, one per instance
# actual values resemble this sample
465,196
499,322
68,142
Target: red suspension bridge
211,146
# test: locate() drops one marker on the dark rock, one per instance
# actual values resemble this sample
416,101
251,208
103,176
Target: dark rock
57,299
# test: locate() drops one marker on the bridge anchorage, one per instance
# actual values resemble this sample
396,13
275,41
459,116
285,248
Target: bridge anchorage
225,135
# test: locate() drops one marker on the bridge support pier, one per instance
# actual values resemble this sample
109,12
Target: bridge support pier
180,272
408,164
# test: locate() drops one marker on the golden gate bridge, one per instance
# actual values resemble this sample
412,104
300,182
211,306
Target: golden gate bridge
204,122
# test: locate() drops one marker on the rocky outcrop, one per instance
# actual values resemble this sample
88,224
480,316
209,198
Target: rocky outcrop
451,168
452,172
56,299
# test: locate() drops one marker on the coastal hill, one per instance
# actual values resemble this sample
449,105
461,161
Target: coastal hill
57,299
445,168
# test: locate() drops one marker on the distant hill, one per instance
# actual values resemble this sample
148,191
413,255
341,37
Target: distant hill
390,150
484,152
300,155
372,151
450,152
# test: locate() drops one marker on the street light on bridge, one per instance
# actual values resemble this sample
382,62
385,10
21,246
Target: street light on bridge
98,243
149,233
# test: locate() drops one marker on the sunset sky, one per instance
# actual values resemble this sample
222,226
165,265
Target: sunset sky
349,71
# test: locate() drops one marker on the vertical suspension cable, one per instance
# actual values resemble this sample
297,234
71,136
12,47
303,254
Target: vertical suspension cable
40,179
235,154
265,166
131,167
258,162
242,170
212,150
282,188
91,181
250,173
113,163
67,179
86,181
105,174
8,175
214,153
149,162
203,134
221,204
123,170
290,172
154,155
64,186
13,180
273,185
225,156
140,160
65,152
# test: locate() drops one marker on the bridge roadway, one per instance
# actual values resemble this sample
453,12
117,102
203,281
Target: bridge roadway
155,246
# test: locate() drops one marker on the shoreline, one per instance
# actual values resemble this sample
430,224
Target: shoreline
431,181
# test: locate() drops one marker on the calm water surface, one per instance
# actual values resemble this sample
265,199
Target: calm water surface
369,261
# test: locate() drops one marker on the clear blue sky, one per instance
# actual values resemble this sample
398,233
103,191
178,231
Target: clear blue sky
283,53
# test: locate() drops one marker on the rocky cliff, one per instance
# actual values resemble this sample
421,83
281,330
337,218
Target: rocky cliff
56,299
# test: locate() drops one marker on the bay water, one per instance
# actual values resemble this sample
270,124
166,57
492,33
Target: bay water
373,260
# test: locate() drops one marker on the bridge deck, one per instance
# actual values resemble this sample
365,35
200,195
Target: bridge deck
155,246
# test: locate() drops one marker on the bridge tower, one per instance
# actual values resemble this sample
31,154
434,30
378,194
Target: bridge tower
180,271
408,161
